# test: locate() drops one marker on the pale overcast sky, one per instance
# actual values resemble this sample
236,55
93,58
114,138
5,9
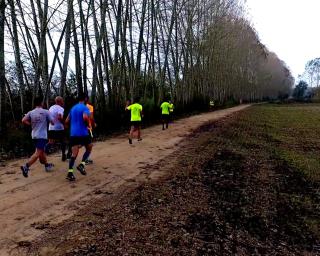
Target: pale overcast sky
290,28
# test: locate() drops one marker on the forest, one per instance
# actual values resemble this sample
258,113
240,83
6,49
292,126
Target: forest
191,51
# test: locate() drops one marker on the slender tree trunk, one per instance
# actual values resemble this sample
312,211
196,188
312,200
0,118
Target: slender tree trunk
77,53
19,67
67,43
2,67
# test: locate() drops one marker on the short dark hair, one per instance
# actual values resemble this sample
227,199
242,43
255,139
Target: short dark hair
38,101
81,96
136,99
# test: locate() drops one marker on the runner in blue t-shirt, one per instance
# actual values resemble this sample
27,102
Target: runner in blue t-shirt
79,118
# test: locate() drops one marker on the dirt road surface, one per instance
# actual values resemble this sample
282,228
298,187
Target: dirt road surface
28,205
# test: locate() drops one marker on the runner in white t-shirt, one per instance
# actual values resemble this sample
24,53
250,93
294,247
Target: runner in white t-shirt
56,131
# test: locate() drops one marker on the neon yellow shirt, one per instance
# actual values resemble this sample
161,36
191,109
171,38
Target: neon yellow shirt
171,107
135,109
165,106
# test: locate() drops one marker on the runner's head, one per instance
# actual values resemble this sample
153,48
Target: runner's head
38,101
86,99
136,99
59,101
81,97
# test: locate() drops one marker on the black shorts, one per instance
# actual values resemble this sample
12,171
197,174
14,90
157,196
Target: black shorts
80,140
136,124
165,118
56,135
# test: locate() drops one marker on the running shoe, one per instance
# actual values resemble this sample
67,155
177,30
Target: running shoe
89,161
130,141
70,177
25,171
82,169
48,167
140,139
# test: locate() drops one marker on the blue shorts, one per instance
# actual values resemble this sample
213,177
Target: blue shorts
40,143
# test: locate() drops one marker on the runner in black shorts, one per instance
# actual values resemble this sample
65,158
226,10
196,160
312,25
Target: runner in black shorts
136,115
56,132
80,140
136,124
165,114
79,118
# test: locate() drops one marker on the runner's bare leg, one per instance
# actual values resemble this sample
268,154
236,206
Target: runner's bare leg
33,158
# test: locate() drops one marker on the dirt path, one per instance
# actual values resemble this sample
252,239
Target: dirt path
28,205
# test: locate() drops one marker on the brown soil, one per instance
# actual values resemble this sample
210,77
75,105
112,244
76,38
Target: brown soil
212,199
46,204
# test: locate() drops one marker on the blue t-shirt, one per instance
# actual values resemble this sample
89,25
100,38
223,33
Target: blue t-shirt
78,126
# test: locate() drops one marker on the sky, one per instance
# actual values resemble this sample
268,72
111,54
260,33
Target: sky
290,28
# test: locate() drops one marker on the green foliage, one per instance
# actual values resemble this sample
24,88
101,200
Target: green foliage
151,110
17,143
280,145
300,90
293,133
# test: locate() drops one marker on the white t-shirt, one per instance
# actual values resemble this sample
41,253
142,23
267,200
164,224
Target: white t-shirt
55,111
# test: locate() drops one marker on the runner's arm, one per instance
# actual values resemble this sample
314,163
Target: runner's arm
60,118
86,118
26,119
50,118
93,123
128,103
67,121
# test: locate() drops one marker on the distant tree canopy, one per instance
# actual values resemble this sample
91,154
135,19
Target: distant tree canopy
190,50
300,90
312,72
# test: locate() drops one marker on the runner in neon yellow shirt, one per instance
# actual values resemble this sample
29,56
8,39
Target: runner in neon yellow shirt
171,107
165,112
171,111
136,117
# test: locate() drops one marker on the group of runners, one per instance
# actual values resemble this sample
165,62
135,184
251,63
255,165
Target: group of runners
137,114
80,122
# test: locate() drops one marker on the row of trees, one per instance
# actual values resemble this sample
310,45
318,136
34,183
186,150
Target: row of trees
312,73
308,86
191,50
